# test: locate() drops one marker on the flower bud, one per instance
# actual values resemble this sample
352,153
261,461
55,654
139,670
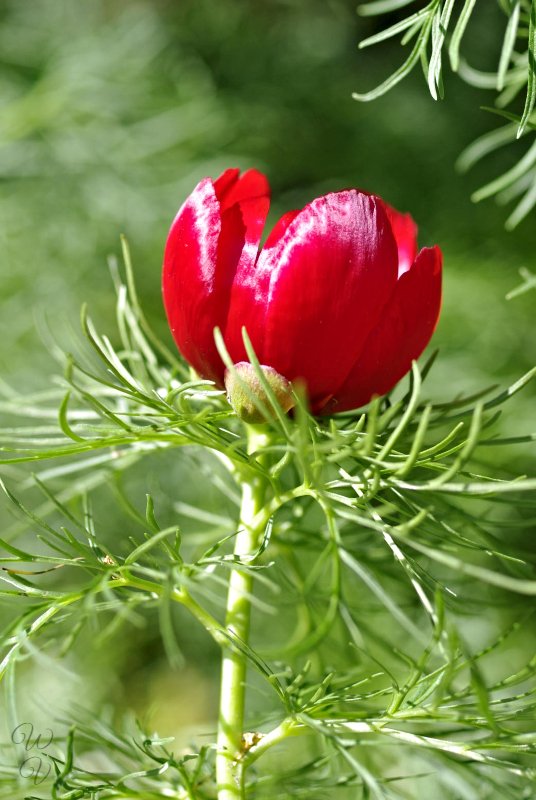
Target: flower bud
248,396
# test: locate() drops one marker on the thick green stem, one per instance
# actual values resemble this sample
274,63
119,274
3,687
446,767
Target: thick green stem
230,750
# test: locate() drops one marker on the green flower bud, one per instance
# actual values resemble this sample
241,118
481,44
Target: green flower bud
244,388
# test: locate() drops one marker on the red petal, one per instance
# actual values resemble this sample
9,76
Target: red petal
319,290
199,266
279,228
215,234
405,233
247,306
226,180
251,192
406,326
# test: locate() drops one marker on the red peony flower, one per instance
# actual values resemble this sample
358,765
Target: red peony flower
338,296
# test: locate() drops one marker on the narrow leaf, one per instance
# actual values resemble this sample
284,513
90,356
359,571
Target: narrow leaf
531,81
508,45
459,30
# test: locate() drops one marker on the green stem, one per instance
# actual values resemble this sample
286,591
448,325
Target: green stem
230,749
211,625
289,727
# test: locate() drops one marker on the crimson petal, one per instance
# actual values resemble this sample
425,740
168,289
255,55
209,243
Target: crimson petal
251,192
248,297
225,182
216,232
405,233
319,290
279,228
403,332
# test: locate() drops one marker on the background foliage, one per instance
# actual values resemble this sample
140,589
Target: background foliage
435,35
113,111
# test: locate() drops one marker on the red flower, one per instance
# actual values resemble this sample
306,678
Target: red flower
338,296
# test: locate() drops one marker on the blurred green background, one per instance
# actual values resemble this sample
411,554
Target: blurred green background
112,110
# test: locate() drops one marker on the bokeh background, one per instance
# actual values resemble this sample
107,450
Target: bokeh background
112,110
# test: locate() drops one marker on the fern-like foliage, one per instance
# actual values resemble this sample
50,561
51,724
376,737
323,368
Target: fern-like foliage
434,34
385,533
